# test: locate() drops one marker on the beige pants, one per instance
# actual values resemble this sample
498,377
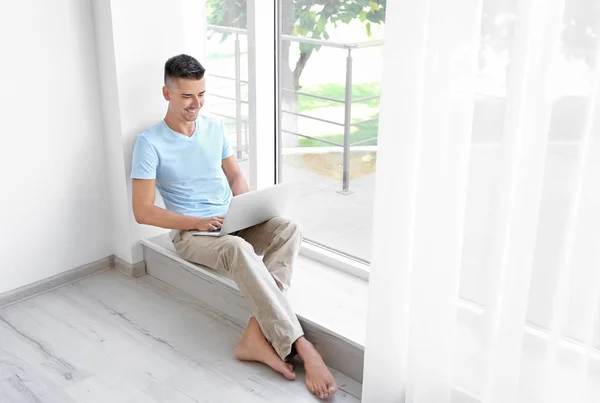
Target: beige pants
262,282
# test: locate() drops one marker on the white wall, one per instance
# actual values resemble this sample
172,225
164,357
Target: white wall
121,219
80,79
132,49
54,200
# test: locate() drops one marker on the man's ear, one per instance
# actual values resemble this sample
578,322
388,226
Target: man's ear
166,93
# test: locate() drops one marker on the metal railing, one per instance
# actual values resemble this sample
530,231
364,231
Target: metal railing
238,89
347,100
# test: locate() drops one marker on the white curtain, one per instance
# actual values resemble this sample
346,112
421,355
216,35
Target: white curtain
485,278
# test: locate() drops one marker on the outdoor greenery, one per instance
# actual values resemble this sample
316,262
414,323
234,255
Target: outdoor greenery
304,18
337,91
361,132
313,19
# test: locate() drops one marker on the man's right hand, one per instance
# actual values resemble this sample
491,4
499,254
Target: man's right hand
209,224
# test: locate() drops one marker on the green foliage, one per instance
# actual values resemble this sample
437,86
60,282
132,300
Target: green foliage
304,18
310,17
337,91
227,13
360,132
366,131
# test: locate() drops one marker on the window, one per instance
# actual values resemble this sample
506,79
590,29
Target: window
329,75
227,72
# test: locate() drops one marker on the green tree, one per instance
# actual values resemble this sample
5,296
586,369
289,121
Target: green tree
311,18
305,18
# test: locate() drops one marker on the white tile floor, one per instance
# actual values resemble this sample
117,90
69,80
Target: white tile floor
109,338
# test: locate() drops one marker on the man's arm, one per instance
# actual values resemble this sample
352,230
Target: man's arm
234,175
145,212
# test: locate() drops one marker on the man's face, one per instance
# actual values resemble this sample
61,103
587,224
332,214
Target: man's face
186,97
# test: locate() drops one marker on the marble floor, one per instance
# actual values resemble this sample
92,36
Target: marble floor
110,338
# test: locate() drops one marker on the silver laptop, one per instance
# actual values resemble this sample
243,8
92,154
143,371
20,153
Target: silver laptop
253,208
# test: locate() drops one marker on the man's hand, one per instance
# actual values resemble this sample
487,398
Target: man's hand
209,224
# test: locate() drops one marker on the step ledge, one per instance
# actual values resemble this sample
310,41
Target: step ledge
339,352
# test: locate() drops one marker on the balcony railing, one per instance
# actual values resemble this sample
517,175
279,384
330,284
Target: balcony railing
347,101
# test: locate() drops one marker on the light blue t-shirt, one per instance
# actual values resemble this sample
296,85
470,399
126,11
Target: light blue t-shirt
187,170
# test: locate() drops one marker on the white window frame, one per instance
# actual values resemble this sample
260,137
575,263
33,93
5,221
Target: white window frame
262,97
264,20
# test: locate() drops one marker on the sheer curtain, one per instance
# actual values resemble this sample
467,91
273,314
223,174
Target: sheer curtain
485,281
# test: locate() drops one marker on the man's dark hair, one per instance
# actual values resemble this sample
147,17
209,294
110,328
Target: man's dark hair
183,66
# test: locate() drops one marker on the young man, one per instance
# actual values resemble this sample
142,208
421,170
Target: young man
188,158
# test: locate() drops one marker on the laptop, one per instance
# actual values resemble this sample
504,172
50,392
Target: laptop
254,208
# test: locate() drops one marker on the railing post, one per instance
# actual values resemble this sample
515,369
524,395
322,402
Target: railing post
238,98
347,121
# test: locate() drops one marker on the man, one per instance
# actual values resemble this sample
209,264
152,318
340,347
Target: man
188,158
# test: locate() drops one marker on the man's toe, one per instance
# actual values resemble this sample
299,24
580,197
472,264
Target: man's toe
323,393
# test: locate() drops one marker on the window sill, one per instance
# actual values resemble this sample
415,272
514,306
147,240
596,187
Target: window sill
332,296
330,303
333,260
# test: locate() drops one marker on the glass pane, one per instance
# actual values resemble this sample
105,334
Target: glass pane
571,86
227,72
330,74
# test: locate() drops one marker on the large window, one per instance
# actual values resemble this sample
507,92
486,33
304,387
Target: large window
227,72
329,60
329,77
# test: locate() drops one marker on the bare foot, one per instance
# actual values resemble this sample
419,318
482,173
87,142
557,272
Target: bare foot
254,347
318,378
